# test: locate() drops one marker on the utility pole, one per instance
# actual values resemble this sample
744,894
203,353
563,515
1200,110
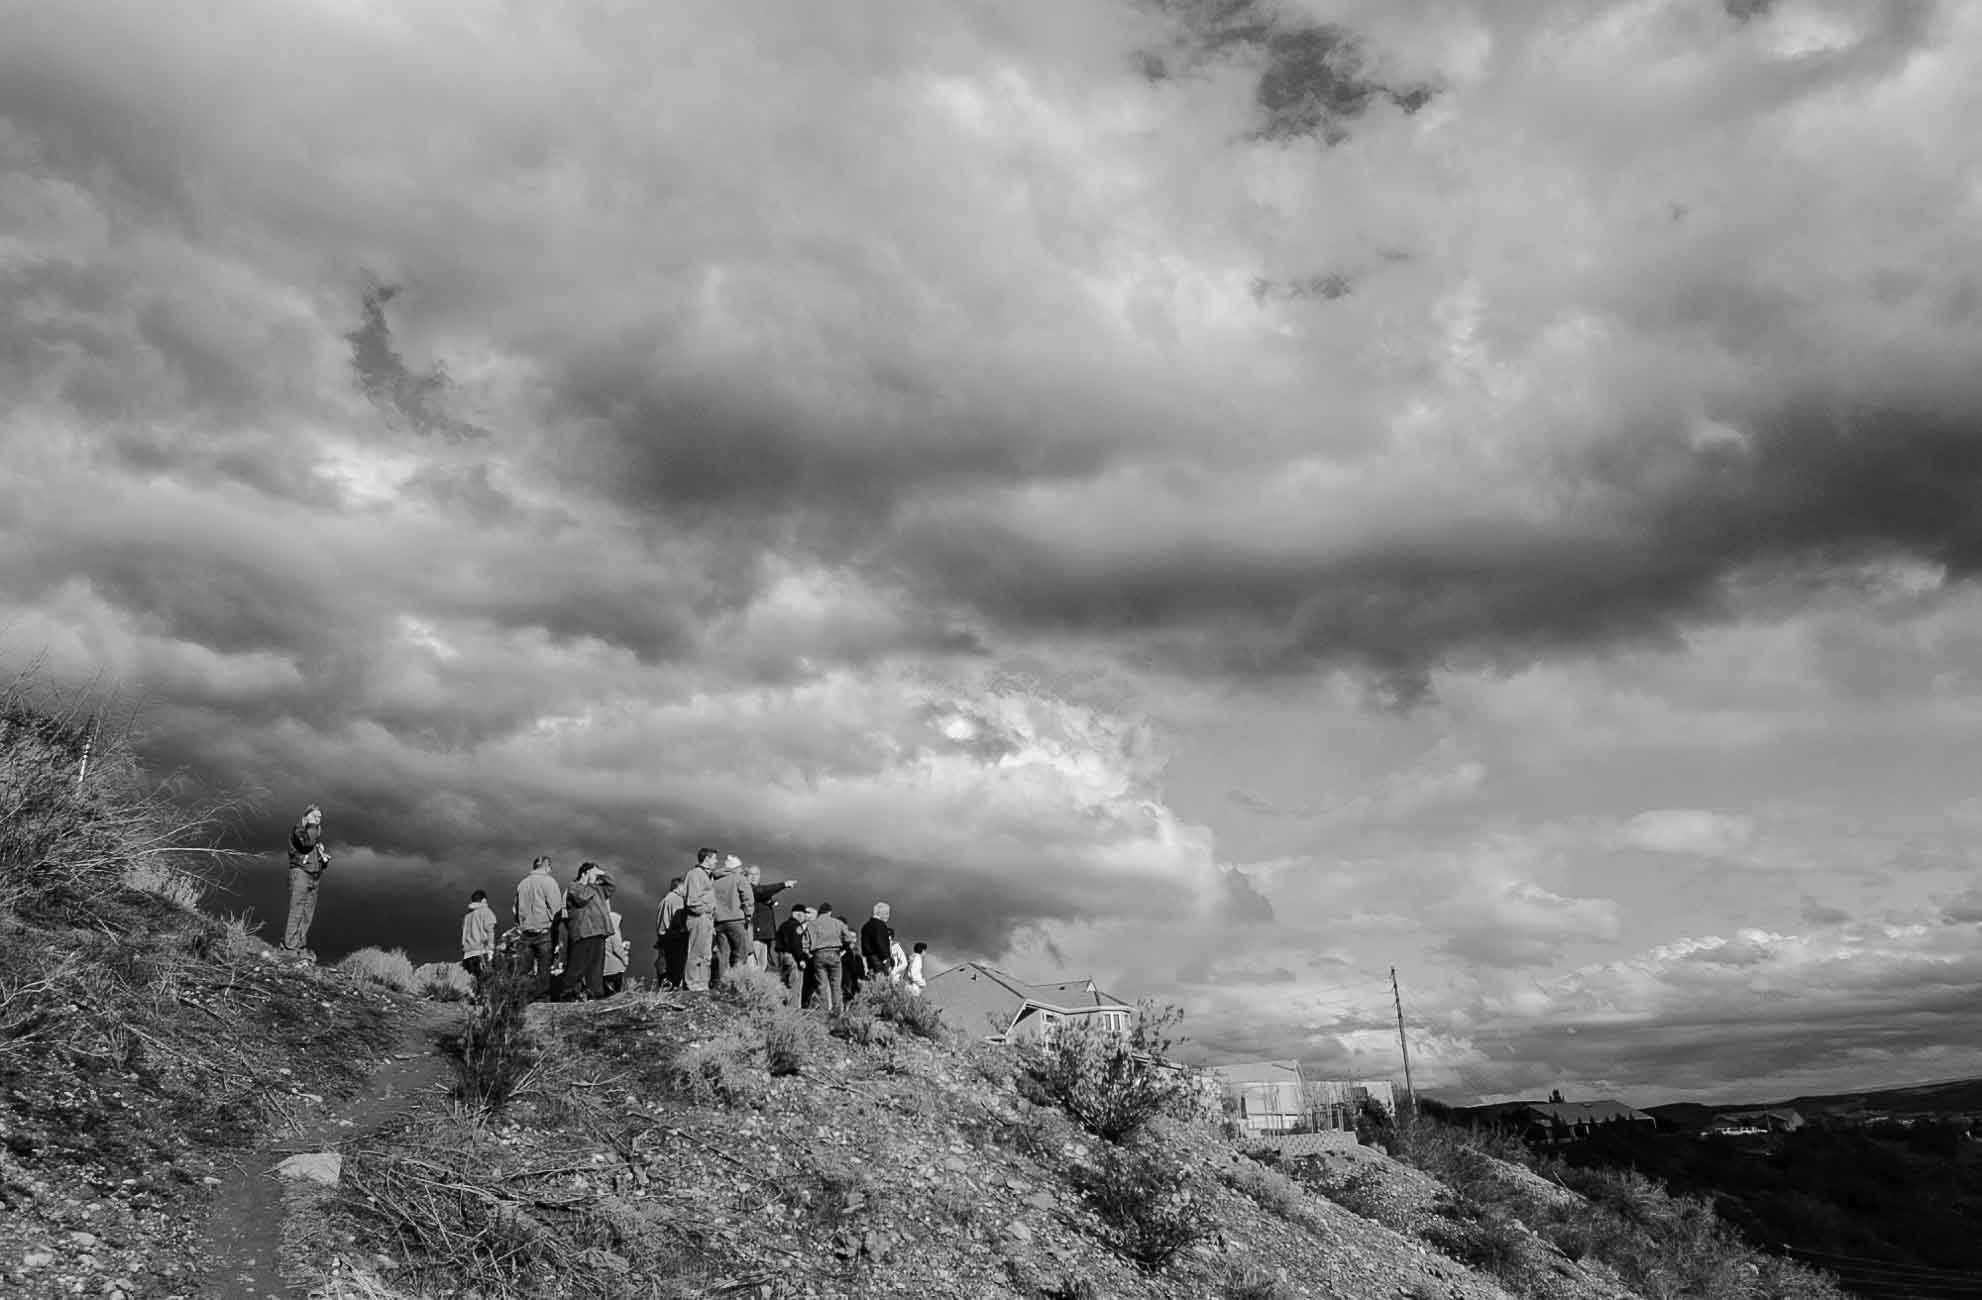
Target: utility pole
1403,1043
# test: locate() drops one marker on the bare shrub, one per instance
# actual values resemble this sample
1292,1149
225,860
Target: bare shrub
494,1054
381,966
718,1072
1111,1084
1142,1192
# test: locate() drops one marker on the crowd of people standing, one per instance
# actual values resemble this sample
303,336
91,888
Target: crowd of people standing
718,916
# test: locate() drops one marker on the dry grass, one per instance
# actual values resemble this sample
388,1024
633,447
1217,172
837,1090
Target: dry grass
1272,1189
720,1072
885,1000
443,981
467,1221
759,993
389,967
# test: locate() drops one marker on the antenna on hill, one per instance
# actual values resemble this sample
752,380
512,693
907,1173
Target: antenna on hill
1403,1043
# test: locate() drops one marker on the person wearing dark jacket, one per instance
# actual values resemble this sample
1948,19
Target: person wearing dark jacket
588,907
308,860
764,923
789,952
877,943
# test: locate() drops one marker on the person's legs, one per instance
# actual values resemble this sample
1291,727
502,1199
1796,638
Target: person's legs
302,909
585,967
732,940
533,954
826,967
790,973
701,948
760,954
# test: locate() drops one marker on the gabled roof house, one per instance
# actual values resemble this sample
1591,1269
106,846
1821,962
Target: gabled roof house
984,1000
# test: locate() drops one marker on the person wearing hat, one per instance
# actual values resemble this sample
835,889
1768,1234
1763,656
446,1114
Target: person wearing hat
589,905
308,860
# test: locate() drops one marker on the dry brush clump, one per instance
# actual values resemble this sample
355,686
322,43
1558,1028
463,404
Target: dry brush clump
1110,1084
1143,1191
884,1000
495,1053
390,967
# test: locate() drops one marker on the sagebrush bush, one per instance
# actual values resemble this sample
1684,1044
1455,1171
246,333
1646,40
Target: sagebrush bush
886,1000
1111,1085
1142,1191
791,1041
389,967
758,993
718,1072
1481,1237
1357,1192
1270,1188
858,1024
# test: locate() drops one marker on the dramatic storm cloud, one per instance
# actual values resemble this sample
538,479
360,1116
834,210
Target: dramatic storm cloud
1228,497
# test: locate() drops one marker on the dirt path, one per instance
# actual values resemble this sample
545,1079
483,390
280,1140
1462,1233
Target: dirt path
253,1210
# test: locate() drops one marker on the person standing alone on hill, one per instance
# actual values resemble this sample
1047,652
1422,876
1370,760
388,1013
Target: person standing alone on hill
537,902
308,860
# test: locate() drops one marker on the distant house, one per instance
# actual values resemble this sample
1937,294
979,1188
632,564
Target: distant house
1741,1123
1553,1121
1269,1096
984,1000
1272,1097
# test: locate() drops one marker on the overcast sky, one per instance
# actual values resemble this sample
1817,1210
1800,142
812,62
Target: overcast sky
1223,496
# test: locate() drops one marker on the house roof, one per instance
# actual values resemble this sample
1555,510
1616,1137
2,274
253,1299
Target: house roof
1258,1071
970,993
1584,1112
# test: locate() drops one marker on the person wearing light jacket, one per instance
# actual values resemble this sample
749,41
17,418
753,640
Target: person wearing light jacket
698,902
588,908
917,980
478,935
538,900
827,942
735,903
616,954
